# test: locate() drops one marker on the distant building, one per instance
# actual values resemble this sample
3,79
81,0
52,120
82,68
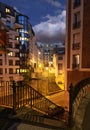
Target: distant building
59,65
48,52
77,41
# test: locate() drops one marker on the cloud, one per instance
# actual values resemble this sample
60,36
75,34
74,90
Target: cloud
54,3
52,30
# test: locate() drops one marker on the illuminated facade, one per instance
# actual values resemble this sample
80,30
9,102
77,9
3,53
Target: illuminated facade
59,65
77,41
15,60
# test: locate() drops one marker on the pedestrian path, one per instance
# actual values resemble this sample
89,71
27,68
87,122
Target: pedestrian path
61,99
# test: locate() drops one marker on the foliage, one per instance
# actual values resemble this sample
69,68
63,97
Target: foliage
27,74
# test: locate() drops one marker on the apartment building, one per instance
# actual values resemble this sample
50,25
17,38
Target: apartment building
77,41
59,65
16,58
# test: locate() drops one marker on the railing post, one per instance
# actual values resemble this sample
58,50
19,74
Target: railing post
31,96
70,105
14,96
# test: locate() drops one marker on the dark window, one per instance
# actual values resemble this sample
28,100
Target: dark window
76,3
5,70
16,54
17,62
10,62
0,61
60,58
16,46
1,71
10,71
76,22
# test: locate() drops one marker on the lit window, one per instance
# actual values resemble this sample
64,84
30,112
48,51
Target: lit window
8,10
17,38
10,54
76,61
17,71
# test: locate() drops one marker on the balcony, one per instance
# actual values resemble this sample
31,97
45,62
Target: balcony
76,4
76,25
17,25
76,46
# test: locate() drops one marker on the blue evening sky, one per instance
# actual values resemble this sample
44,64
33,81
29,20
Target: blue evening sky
46,16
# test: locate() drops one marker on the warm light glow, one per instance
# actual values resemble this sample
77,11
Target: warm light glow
39,53
40,65
10,54
46,68
7,10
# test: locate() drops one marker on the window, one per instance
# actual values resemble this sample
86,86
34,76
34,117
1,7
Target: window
60,58
8,24
11,78
76,61
17,71
17,54
10,71
10,45
76,38
5,70
10,54
76,41
0,61
17,62
10,62
76,3
76,20
60,66
1,71
8,10
16,46
1,78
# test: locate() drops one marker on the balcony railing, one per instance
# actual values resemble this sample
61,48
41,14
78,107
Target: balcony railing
76,46
75,66
76,25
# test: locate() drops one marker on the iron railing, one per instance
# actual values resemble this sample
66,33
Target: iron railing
6,94
19,94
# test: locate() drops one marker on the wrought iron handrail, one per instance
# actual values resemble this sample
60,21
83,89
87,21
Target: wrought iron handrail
26,95
18,94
